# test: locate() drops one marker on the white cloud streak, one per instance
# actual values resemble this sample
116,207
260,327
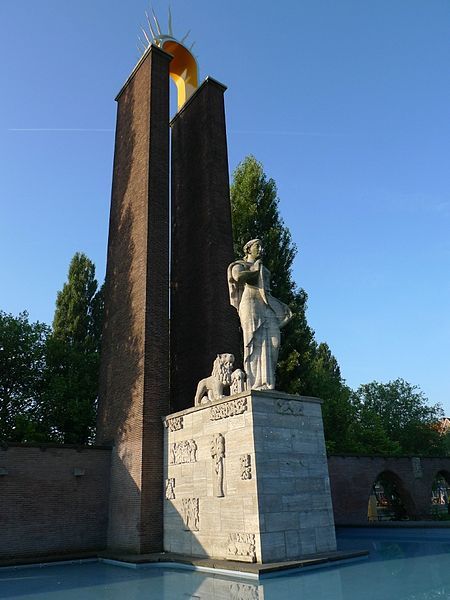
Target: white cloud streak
293,133
60,129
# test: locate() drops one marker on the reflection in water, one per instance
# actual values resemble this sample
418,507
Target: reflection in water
403,565
391,550
326,586
203,588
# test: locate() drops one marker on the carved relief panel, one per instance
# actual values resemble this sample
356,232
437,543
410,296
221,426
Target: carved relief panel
218,455
183,452
246,466
174,424
241,546
228,409
190,513
289,407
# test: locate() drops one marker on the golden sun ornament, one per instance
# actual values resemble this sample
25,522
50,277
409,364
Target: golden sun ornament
183,68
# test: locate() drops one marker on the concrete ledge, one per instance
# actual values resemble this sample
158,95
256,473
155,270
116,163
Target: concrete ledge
45,559
229,567
397,525
254,394
166,559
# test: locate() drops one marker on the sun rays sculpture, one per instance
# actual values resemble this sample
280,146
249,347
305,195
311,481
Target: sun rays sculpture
183,67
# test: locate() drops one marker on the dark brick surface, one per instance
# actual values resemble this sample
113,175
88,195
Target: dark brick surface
352,478
134,379
45,508
203,324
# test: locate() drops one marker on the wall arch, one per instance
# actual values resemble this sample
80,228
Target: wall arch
440,495
389,498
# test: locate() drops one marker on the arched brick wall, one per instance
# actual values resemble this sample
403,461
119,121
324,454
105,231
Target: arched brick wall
352,478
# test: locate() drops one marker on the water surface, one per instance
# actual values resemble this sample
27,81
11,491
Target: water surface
403,565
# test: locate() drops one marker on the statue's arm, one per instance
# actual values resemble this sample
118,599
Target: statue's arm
242,275
287,317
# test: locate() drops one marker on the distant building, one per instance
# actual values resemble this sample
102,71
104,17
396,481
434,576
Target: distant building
444,425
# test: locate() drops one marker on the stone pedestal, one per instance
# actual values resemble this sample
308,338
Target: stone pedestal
247,479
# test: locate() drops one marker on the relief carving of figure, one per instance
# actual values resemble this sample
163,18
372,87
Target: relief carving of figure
261,315
211,388
170,491
190,512
218,454
192,451
246,467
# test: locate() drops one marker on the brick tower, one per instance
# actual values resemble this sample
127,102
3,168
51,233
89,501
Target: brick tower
145,373
203,323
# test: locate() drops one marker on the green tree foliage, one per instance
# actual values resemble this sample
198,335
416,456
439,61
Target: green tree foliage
76,320
255,214
304,366
402,412
49,379
367,436
391,418
70,399
324,380
22,375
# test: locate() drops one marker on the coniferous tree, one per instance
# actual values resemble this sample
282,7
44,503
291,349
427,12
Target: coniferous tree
70,399
304,367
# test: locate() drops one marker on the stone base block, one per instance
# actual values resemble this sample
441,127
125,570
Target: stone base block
247,479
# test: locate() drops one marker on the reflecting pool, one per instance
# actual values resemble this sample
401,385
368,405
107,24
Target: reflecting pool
411,564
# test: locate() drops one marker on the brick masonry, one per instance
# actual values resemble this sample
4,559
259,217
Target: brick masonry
134,378
352,478
46,509
274,500
53,500
203,323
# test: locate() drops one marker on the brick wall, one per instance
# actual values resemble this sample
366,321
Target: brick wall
45,508
352,478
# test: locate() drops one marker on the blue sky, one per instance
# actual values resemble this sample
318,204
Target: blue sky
346,104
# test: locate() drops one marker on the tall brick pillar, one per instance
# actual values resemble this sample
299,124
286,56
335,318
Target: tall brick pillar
134,380
203,323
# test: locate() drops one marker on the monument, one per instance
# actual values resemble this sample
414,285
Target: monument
218,465
256,488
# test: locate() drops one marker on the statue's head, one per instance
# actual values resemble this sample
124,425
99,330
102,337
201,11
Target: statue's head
253,249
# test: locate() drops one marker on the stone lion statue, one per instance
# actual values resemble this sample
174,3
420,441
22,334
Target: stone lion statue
211,388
